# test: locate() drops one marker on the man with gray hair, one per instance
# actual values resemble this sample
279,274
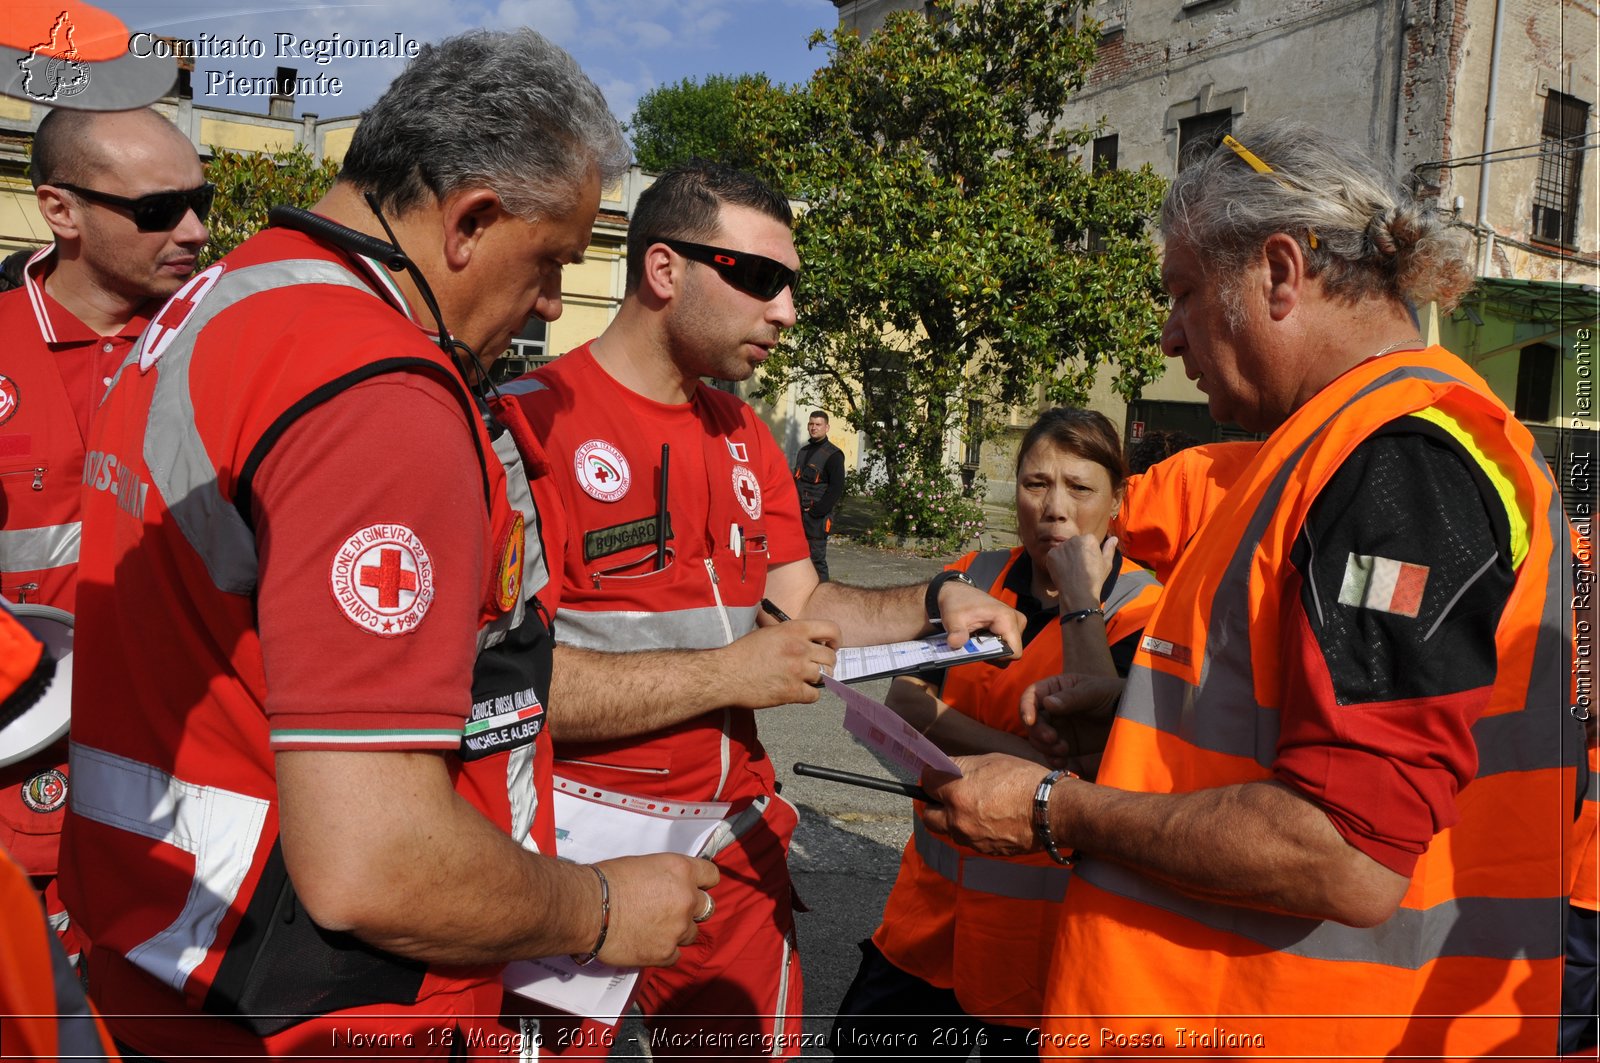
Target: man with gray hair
1331,813
310,764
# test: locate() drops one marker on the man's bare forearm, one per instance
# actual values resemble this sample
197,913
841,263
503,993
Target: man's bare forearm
1259,844
381,846
869,615
596,696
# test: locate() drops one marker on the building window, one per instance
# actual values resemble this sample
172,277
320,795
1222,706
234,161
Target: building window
1104,152
972,455
1555,193
1198,135
1536,377
526,353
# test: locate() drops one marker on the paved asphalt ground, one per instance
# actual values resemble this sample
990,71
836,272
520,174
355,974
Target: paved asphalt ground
847,848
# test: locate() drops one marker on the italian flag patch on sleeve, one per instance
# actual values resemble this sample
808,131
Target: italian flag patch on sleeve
1384,584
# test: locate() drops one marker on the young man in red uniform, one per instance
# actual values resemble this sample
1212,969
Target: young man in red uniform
83,302
312,693
660,660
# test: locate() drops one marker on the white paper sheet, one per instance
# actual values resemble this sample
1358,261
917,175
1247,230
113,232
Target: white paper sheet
880,729
858,663
593,825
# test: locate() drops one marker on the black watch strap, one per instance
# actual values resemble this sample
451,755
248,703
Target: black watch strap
930,601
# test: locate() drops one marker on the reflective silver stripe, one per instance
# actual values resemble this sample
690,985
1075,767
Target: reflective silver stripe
522,794
735,827
1491,927
77,1037
34,549
624,630
780,1006
220,829
522,386
1001,878
173,450
1129,585
535,574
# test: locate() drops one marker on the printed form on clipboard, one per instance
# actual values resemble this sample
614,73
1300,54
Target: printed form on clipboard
594,824
857,664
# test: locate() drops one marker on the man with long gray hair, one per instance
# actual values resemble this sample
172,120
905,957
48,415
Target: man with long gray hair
1330,817
309,763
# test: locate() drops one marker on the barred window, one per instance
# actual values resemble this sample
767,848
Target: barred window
1555,193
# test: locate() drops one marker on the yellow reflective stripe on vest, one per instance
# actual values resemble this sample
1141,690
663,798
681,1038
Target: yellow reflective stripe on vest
1001,878
1491,468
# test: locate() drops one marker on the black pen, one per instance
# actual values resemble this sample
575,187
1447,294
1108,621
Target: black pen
773,611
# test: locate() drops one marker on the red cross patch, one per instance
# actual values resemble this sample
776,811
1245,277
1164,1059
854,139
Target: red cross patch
382,579
10,398
160,333
748,490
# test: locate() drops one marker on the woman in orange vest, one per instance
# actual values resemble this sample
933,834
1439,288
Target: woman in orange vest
959,961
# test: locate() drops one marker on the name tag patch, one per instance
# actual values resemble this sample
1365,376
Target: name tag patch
502,722
607,541
1384,584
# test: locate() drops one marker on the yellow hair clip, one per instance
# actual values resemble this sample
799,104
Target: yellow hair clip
1246,154
1255,163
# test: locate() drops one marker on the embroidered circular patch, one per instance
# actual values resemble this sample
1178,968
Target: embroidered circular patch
748,490
509,580
382,579
602,470
10,398
46,791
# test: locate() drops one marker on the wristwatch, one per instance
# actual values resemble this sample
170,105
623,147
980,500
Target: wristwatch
930,601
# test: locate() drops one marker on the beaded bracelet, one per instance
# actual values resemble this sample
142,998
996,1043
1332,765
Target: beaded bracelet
605,920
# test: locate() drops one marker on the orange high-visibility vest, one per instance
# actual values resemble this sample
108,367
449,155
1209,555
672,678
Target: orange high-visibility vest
1163,507
43,1014
1586,864
980,925
1470,964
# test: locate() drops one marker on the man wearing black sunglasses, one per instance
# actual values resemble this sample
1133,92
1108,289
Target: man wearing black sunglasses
670,513
82,304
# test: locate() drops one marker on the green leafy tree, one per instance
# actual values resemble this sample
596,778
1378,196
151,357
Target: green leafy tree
249,184
957,256
675,123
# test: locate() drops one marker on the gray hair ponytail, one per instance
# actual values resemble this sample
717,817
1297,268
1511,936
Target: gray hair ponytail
1361,234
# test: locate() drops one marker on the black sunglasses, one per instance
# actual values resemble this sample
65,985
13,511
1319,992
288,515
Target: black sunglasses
761,277
159,212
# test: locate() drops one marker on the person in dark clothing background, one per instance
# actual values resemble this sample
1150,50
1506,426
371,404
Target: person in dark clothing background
819,475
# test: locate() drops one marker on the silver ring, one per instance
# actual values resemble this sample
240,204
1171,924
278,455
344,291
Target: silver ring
711,906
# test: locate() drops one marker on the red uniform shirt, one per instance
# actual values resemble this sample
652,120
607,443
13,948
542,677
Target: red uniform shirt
53,375
733,512
293,491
